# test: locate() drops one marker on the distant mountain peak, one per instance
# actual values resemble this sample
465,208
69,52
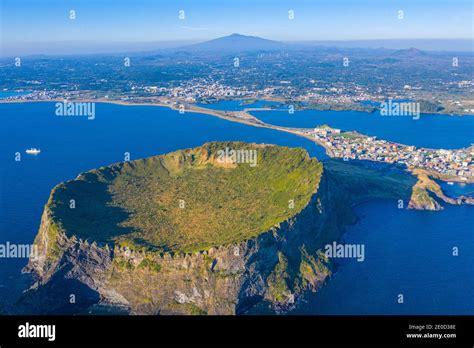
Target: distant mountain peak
237,42
410,52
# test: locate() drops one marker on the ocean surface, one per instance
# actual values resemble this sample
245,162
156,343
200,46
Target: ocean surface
456,189
407,252
430,130
71,145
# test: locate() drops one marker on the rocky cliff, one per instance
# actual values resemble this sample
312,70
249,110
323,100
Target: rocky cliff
277,266
426,189
273,269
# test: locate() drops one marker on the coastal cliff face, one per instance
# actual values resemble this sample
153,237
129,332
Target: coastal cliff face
273,269
424,190
276,267
421,200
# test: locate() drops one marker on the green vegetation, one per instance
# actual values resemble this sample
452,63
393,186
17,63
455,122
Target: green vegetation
248,101
313,269
146,264
421,197
426,183
430,107
354,182
278,280
122,264
364,180
187,200
351,135
52,231
341,107
186,308
54,252
150,265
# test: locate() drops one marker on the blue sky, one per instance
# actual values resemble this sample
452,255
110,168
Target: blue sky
45,21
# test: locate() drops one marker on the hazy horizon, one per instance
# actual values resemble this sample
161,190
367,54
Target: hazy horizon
30,27
97,47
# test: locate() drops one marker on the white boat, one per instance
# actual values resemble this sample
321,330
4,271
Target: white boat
33,151
450,183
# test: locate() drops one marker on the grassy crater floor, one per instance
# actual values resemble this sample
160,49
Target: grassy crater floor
187,200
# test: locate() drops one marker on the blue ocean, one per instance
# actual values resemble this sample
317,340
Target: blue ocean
430,130
407,252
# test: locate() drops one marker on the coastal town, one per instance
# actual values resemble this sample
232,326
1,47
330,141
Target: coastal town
205,91
445,164
335,96
456,165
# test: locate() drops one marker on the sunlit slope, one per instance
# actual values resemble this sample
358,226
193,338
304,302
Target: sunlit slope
188,200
